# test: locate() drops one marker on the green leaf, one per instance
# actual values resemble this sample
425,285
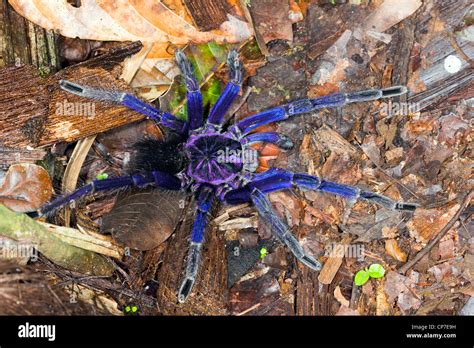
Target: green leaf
376,270
361,277
206,59
102,176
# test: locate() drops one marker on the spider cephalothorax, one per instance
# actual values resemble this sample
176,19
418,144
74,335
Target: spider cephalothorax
210,161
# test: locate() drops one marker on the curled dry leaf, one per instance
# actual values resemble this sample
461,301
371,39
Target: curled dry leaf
340,297
392,248
26,187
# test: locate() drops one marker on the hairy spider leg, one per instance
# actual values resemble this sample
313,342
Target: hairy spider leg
307,105
280,229
278,139
231,90
278,179
204,197
128,100
193,94
159,179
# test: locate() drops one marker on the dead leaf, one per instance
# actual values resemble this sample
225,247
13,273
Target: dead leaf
406,301
340,297
271,19
392,248
144,220
401,288
26,187
426,223
389,13
126,20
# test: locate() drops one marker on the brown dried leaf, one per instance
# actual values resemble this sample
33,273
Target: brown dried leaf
126,20
271,19
392,248
426,223
26,187
144,220
340,297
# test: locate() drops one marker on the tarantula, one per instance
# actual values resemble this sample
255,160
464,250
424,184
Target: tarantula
202,168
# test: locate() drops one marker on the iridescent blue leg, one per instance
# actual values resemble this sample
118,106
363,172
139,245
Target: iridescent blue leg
278,179
127,100
158,179
232,89
204,198
278,139
193,94
280,229
307,105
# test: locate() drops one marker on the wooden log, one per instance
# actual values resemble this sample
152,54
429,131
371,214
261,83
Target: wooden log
35,112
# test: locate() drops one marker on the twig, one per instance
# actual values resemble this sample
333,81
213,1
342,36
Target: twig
440,235
249,309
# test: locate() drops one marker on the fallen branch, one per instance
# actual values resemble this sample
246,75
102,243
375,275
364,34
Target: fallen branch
440,235
20,227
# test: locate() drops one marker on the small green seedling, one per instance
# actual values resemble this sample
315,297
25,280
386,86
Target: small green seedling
102,176
263,253
131,309
374,271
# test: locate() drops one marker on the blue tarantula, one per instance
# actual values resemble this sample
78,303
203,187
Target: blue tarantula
200,168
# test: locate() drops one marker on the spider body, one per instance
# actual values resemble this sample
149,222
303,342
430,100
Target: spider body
205,151
213,162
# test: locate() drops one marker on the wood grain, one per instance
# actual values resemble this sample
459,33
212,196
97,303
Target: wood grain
32,108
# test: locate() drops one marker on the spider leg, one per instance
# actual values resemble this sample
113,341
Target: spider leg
280,229
278,139
205,196
278,179
193,95
128,100
159,179
307,105
231,90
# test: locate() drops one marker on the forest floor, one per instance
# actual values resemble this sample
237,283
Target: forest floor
415,148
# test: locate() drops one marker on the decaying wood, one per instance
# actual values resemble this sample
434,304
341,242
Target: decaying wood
209,295
208,14
307,298
25,291
334,261
91,241
22,42
33,110
435,81
20,227
9,156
